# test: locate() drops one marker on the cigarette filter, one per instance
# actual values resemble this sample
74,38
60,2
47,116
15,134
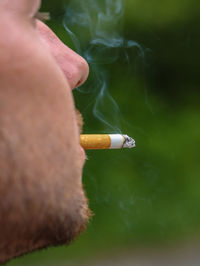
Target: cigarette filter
106,141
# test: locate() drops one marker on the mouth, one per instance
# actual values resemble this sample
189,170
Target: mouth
79,119
83,154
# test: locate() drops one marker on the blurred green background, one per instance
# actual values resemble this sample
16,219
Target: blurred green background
149,195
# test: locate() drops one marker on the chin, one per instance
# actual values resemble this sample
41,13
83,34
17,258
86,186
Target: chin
40,227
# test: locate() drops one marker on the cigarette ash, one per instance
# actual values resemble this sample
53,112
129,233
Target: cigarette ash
95,27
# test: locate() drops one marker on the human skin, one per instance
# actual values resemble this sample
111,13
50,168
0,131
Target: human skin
42,201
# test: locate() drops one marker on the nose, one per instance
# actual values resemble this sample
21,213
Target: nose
73,65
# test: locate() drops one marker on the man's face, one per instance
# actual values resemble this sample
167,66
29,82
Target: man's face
41,197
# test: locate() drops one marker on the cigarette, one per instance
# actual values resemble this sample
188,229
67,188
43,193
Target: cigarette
106,141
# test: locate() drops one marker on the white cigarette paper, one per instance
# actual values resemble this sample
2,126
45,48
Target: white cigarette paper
106,141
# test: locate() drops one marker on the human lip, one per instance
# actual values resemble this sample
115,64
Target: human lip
83,155
79,120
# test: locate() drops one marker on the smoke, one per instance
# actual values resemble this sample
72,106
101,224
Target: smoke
95,27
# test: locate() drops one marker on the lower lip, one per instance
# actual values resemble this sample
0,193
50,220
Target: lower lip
82,152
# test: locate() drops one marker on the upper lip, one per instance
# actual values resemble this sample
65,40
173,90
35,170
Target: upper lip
79,120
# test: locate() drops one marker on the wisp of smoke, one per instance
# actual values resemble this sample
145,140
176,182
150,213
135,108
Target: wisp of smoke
95,29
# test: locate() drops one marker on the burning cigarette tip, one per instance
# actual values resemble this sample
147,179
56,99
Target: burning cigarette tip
106,141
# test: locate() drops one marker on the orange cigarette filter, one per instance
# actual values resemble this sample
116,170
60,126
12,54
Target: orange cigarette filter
106,141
